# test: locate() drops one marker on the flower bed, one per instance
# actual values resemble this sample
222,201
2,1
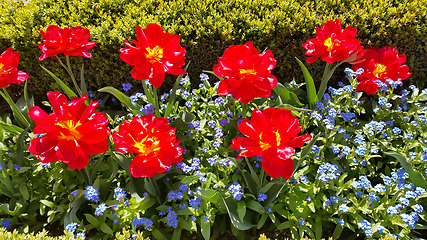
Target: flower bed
239,148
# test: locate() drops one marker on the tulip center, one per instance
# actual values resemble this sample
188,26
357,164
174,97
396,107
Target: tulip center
154,54
263,145
329,44
1,69
379,70
278,138
71,126
147,145
247,71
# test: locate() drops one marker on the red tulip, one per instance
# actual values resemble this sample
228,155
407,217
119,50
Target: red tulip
70,41
153,140
9,73
246,73
272,133
155,54
70,134
380,64
332,43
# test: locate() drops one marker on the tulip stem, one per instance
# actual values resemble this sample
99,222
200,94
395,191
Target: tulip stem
70,71
15,109
85,176
327,74
156,101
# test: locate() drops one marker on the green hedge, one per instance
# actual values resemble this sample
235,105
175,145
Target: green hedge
207,28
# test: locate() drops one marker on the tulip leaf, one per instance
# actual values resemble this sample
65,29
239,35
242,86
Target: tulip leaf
290,107
287,97
75,205
106,229
177,233
273,192
64,87
241,210
205,227
231,206
318,227
306,150
311,88
24,192
256,206
158,235
187,117
262,221
22,121
10,128
121,97
415,176
172,97
208,194
284,225
20,148
92,220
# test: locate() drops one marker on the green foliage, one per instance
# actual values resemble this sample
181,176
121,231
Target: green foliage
206,29
44,235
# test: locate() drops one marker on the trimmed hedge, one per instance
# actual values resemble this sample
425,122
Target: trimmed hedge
207,28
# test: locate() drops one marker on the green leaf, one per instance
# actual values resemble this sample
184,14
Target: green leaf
20,148
256,206
241,210
337,232
287,97
262,221
92,220
318,227
158,235
190,179
11,128
47,203
173,95
292,108
177,233
64,87
206,229
415,176
106,229
273,192
121,97
187,117
311,88
208,194
284,225
24,191
231,207
75,205
306,150
123,161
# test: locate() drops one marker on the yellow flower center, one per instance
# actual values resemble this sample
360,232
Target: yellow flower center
379,70
247,71
329,44
278,138
147,145
154,54
71,126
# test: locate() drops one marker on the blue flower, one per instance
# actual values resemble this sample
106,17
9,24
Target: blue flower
100,209
92,194
315,149
16,167
302,221
344,208
397,130
262,197
81,235
341,222
303,179
319,105
328,203
126,86
348,116
184,81
203,77
119,193
335,199
195,203
70,227
73,193
418,208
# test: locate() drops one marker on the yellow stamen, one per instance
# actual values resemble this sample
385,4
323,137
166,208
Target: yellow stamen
70,126
154,54
379,70
278,138
147,145
329,44
247,71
